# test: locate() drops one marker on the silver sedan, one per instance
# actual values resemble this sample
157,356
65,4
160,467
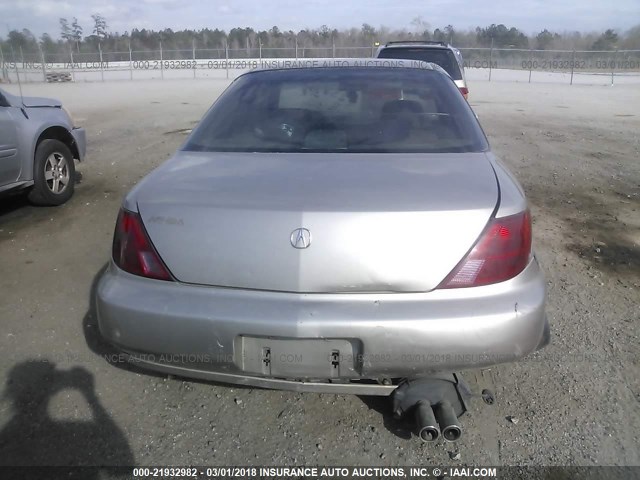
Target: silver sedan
335,226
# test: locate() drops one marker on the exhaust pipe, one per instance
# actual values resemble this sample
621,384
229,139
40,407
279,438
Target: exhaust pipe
448,421
425,419
435,404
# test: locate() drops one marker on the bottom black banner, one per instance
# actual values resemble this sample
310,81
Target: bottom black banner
320,472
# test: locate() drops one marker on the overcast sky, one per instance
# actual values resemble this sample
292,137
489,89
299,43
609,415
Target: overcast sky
529,16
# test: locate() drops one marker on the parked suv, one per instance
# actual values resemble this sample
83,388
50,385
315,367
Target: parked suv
439,53
38,146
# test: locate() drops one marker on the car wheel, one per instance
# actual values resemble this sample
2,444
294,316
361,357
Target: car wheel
54,174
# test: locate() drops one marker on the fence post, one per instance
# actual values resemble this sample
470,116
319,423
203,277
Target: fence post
15,63
130,63
490,58
193,56
530,63
2,66
101,66
296,48
260,49
613,67
73,73
333,48
573,65
226,56
161,63
44,68
26,79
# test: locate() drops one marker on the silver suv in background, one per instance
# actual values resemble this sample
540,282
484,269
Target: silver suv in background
439,53
39,144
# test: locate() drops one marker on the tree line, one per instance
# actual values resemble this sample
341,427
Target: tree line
73,37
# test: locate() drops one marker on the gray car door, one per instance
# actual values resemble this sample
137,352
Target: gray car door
9,158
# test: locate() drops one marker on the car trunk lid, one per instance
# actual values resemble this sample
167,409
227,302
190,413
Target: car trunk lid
377,223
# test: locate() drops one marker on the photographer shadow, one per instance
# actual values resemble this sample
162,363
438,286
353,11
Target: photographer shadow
33,438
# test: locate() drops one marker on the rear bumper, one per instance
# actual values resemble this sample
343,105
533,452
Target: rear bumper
222,334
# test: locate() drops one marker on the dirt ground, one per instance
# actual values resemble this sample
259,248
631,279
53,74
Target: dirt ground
575,149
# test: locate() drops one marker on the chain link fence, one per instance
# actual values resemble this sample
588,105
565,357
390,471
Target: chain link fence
490,64
565,66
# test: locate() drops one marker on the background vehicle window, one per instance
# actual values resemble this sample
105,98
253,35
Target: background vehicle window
445,58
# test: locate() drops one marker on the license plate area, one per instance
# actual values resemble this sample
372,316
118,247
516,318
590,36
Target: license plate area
297,358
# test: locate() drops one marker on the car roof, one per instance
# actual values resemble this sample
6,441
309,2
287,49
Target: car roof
427,45
366,62
417,44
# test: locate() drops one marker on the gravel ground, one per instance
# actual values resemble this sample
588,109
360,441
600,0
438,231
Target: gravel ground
574,149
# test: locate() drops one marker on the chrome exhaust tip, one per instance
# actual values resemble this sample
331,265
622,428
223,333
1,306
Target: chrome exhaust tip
452,433
428,429
448,422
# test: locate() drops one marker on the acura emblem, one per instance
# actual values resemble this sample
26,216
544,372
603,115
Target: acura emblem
300,238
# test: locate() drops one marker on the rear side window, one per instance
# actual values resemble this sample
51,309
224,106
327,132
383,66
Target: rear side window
440,56
345,110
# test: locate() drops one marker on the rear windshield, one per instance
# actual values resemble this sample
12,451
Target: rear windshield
440,56
353,109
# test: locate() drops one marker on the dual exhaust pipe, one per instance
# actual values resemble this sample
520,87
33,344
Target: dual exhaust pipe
437,419
435,403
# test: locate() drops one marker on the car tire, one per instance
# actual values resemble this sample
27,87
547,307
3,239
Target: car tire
54,174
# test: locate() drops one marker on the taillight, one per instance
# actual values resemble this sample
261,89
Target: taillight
132,249
464,91
502,252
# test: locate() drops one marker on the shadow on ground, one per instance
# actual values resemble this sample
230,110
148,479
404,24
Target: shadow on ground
401,428
16,212
10,203
33,438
